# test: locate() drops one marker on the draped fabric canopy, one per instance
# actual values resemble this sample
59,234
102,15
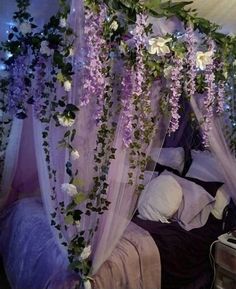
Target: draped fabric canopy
220,12
25,169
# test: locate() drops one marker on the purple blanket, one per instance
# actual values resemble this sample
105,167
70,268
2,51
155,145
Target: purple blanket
184,254
32,258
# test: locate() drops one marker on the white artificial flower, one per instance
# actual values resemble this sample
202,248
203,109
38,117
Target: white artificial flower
158,46
63,22
167,71
71,51
225,74
44,49
25,28
85,253
67,85
75,155
69,189
114,25
77,224
65,121
203,59
87,284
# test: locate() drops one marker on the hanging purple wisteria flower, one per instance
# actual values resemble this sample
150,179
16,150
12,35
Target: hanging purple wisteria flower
220,98
191,60
17,89
209,99
127,107
94,79
39,86
176,89
140,40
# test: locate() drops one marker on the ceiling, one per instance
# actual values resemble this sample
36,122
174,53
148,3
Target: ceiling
40,9
222,12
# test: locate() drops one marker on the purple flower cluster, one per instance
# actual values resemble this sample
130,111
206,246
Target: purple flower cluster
139,36
127,107
17,88
95,81
175,88
140,40
220,97
191,60
209,101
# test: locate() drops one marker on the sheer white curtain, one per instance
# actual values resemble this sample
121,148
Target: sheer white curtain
11,159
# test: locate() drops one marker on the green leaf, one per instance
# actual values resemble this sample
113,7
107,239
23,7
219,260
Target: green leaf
73,135
71,107
67,133
77,182
80,198
152,4
69,219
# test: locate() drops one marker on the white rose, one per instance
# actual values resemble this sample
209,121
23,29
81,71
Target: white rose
85,253
71,51
87,284
158,46
69,189
114,25
77,224
203,59
62,23
75,155
65,121
25,28
44,49
67,85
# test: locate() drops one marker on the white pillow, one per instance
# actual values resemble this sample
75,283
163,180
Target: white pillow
160,199
222,200
196,204
205,167
170,157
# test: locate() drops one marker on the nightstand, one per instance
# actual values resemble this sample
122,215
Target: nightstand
225,258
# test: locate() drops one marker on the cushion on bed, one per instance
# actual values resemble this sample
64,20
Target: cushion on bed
210,187
196,204
160,199
169,157
205,167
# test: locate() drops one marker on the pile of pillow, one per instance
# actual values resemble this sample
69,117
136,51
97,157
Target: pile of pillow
188,199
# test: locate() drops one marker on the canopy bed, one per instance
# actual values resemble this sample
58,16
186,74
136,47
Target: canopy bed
117,146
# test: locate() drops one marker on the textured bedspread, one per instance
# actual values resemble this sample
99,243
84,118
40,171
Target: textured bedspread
33,260
134,264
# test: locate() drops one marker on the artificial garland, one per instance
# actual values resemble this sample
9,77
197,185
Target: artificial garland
40,59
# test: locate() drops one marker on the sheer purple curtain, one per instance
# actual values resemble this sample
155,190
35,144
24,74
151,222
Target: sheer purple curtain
20,174
218,145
